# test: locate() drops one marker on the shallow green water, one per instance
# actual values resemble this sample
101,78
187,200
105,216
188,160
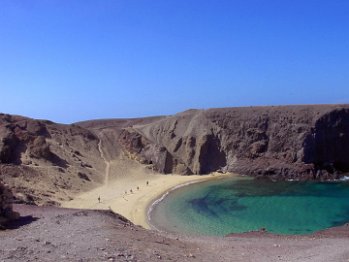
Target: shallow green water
242,204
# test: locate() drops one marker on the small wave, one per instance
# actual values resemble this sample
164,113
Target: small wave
163,196
150,209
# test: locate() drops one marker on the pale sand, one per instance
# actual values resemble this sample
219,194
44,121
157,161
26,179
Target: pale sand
134,205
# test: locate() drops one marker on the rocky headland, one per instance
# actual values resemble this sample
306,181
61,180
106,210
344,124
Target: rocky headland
285,142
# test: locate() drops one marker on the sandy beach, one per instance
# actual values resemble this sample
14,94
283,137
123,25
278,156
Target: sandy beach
117,196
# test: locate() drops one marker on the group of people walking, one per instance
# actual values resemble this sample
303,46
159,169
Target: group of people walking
131,191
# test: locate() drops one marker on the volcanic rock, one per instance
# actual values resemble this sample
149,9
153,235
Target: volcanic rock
285,142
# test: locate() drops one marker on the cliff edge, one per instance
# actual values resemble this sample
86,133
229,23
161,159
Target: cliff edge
282,142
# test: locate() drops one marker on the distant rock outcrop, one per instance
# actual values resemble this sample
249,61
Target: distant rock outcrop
286,142
6,212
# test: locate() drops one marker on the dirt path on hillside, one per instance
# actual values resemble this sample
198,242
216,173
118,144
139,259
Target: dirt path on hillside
107,163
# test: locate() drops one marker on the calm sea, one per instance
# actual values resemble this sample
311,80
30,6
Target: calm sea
220,207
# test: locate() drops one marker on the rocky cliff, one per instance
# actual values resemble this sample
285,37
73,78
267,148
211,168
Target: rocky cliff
286,142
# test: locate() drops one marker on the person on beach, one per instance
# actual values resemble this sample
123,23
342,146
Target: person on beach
147,183
99,199
131,191
138,188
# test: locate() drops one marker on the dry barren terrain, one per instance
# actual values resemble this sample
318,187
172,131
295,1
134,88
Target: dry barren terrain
45,165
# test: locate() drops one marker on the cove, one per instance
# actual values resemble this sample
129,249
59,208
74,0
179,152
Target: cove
241,204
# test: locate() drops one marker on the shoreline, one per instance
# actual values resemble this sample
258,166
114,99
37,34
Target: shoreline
340,230
158,199
140,212
135,206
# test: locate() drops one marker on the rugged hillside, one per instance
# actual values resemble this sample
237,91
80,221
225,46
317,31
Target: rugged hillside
303,142
46,162
109,131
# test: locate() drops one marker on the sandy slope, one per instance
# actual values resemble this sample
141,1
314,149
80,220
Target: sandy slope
122,175
131,205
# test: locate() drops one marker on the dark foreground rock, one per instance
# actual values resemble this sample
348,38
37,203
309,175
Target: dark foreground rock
6,212
285,142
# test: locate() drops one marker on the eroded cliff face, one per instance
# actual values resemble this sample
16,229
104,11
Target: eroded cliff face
327,145
293,142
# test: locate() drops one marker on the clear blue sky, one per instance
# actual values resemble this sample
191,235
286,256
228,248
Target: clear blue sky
71,60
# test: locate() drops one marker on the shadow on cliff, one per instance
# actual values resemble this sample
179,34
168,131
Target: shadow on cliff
327,147
211,158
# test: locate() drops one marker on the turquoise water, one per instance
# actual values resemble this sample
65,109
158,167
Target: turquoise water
238,205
